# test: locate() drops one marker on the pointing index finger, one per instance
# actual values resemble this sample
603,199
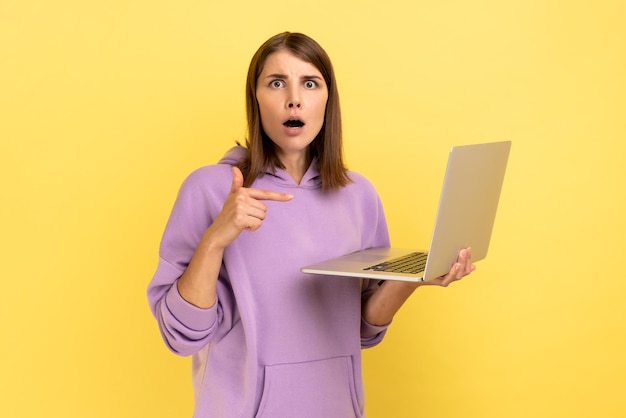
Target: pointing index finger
261,194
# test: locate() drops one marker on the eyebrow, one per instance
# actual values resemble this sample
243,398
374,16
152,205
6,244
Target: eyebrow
283,76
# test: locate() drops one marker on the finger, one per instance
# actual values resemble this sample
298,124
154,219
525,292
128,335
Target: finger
237,180
456,273
468,267
463,263
464,255
257,211
260,194
253,224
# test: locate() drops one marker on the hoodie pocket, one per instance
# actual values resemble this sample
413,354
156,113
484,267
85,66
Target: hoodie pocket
314,389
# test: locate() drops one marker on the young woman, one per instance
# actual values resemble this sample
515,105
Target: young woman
267,340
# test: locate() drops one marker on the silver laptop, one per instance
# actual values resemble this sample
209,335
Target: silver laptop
467,210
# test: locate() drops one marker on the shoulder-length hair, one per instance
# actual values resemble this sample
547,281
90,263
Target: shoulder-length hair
327,145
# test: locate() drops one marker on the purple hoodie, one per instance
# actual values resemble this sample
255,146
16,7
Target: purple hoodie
278,343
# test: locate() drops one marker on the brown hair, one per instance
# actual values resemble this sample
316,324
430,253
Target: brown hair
327,145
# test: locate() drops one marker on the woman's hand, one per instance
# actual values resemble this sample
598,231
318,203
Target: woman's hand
243,209
460,269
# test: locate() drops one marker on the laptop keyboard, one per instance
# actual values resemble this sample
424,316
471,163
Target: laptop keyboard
412,263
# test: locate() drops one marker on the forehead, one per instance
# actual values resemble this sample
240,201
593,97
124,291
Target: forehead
285,62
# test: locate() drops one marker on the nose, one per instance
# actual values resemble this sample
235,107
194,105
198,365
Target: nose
293,100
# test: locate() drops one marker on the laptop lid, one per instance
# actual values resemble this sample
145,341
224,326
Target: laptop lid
467,205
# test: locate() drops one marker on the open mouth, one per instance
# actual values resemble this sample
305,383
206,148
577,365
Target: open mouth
293,123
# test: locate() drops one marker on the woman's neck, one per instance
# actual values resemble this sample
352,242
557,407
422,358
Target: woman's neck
296,164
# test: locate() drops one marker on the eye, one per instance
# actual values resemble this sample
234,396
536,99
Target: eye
277,84
310,84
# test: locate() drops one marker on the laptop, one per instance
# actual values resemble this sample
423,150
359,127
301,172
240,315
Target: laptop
465,217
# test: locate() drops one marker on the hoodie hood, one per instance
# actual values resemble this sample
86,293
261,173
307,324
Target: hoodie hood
233,155
311,179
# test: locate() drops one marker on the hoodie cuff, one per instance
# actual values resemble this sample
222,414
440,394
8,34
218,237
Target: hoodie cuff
190,316
371,335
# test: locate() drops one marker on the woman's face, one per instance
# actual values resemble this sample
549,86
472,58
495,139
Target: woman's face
292,96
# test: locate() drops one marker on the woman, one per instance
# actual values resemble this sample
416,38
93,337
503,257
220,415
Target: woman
267,340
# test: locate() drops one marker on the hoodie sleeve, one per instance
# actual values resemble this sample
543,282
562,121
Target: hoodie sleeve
184,327
372,335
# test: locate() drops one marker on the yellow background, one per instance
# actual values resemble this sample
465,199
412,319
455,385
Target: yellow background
105,106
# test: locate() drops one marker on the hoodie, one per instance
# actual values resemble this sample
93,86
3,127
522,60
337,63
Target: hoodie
277,343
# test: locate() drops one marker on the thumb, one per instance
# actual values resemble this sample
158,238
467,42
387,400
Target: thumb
237,180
